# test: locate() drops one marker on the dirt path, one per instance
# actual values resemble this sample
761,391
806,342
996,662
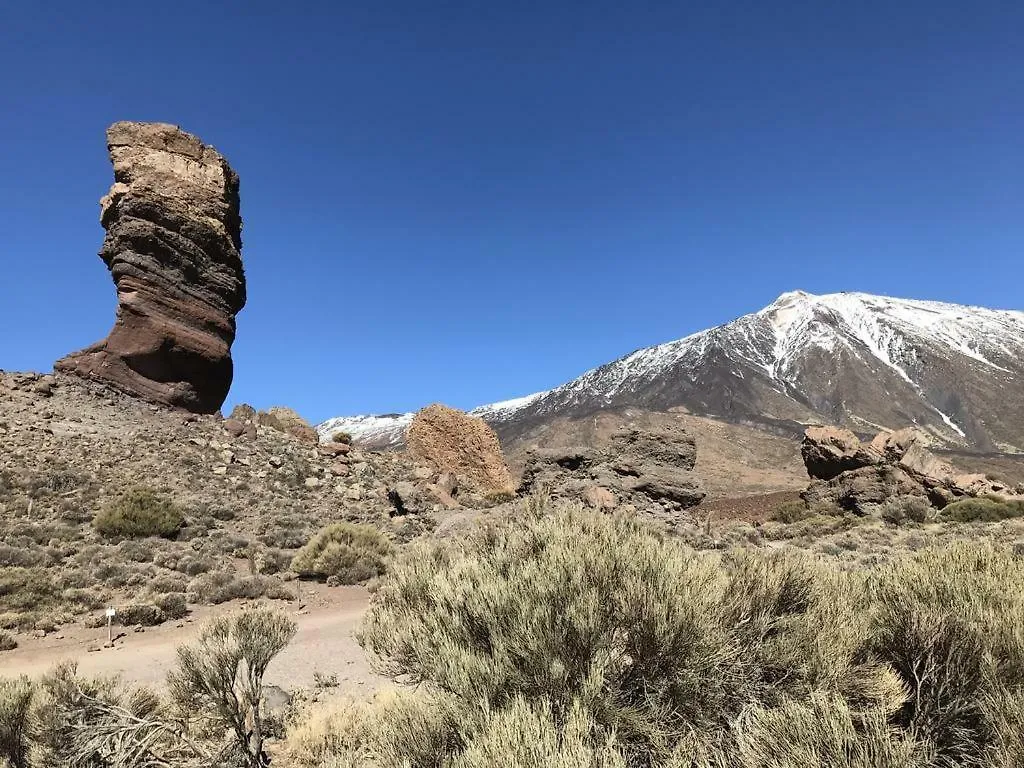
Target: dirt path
325,643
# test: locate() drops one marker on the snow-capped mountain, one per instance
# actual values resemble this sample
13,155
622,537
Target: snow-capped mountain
388,430
846,358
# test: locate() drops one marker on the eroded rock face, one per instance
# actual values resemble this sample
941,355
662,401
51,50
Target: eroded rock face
173,247
451,441
829,451
649,469
856,477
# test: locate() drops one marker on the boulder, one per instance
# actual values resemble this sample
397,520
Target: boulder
856,478
647,469
449,440
173,248
921,462
408,499
289,422
829,451
598,497
859,490
893,445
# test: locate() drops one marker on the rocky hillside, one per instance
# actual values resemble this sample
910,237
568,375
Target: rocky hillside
862,361
248,492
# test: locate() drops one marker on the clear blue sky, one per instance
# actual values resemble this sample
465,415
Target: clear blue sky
465,201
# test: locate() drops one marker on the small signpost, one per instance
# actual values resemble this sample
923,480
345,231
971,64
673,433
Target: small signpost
111,613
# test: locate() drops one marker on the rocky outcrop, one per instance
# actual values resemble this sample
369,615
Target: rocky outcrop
829,451
288,421
652,470
450,441
173,248
855,477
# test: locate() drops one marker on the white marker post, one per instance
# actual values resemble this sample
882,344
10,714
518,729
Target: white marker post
111,613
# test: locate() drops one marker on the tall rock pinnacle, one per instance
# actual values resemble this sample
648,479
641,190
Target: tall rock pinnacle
173,247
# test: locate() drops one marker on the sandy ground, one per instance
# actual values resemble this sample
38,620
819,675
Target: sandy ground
325,643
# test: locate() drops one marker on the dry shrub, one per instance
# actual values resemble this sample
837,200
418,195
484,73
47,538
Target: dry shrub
220,677
948,622
16,725
580,609
218,587
907,509
140,512
672,658
792,511
530,735
347,553
394,729
823,733
983,510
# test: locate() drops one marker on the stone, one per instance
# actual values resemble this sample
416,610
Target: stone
244,413
860,490
449,440
893,445
676,484
312,482
598,497
645,468
408,499
918,460
173,248
894,464
289,422
334,449
338,469
220,469
830,451
234,427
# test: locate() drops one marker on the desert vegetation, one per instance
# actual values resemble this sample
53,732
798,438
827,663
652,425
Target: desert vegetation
568,638
343,553
140,512
212,717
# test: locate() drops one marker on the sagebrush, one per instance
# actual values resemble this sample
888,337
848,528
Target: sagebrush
140,512
346,553
603,642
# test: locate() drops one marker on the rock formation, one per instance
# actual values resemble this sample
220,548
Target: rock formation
856,477
450,441
288,421
649,469
173,248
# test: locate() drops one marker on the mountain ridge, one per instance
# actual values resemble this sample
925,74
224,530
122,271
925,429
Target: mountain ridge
861,360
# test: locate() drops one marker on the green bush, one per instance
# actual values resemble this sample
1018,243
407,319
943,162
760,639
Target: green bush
140,512
218,587
907,509
220,677
982,510
342,437
610,644
16,724
578,609
346,553
793,511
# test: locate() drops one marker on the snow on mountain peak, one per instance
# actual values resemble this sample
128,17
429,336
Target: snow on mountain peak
780,342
